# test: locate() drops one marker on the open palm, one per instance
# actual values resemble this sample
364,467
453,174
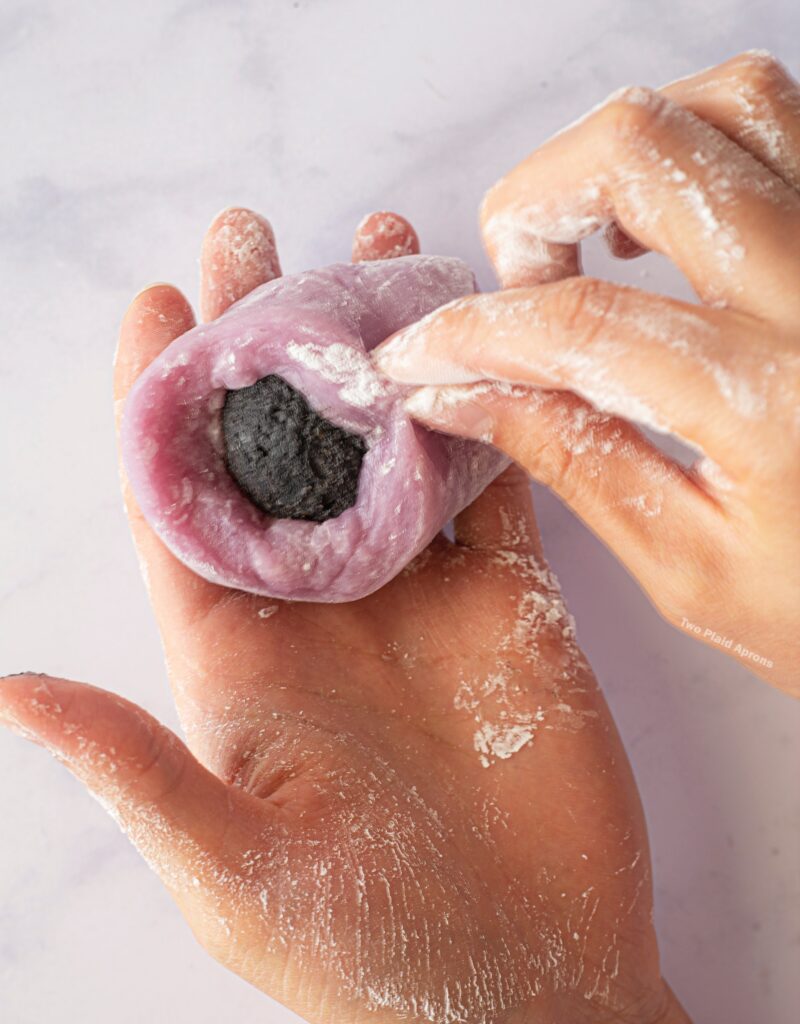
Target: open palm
414,807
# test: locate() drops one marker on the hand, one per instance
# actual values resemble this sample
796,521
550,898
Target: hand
412,807
706,171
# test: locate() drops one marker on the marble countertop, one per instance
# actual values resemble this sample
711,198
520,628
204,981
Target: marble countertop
125,127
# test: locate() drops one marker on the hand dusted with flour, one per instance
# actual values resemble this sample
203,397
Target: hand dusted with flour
310,332
557,370
412,807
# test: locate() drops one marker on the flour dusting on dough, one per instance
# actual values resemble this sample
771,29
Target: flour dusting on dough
341,364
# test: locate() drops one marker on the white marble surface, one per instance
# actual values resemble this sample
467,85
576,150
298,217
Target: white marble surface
125,127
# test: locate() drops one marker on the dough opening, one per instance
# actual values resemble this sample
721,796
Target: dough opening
290,461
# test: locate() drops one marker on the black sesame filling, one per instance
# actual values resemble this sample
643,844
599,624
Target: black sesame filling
289,461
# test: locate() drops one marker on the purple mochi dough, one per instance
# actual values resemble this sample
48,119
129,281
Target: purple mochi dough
314,330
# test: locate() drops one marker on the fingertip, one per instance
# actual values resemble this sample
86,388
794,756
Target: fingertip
436,349
156,316
227,215
97,733
31,704
158,299
238,254
384,235
456,409
236,220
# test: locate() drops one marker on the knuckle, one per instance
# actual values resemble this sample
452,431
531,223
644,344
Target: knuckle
490,203
757,73
779,379
581,306
570,476
561,474
155,769
553,464
631,112
783,373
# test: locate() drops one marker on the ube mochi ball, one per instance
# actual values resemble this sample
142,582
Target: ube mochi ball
269,454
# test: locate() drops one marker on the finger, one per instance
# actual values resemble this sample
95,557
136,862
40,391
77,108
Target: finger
673,182
620,243
635,499
692,372
183,819
755,102
383,236
157,316
502,517
238,255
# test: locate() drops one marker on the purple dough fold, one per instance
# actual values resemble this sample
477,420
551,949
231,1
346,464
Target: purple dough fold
314,330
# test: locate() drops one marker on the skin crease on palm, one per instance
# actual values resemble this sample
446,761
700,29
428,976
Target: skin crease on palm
413,807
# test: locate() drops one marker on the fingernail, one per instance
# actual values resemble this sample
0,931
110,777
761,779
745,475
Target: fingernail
241,216
405,358
10,720
452,410
383,235
149,287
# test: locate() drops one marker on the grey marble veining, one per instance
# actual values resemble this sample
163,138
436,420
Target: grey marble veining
125,127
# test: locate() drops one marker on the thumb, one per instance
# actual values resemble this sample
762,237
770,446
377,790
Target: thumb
174,811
